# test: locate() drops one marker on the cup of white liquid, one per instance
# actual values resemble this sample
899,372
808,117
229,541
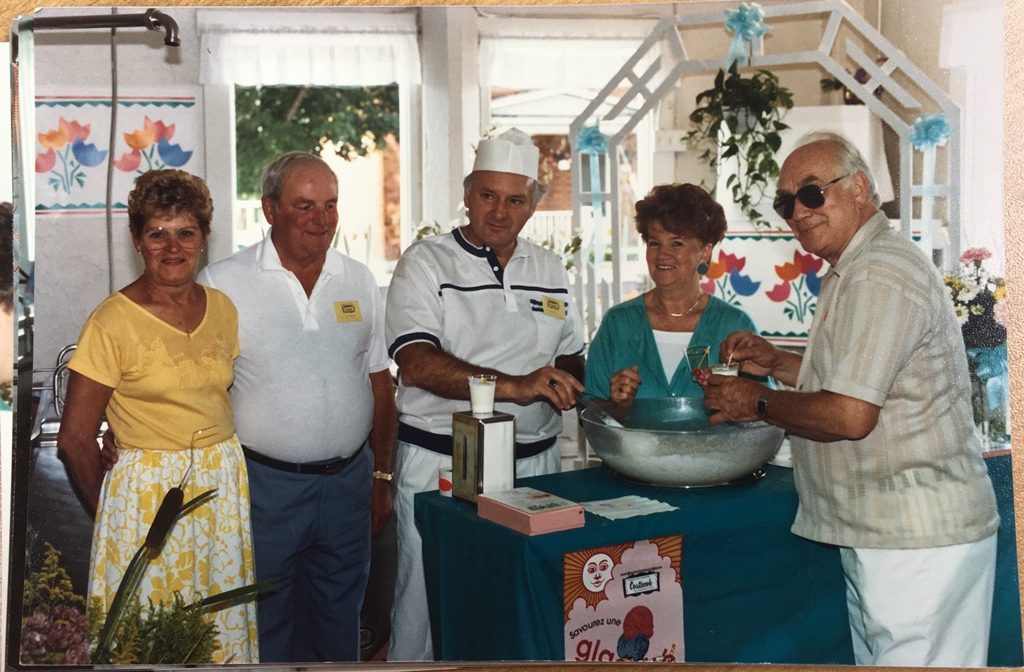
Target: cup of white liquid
481,392
726,369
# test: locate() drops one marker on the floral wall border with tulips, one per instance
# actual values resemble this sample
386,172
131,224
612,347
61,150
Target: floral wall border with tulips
767,274
72,145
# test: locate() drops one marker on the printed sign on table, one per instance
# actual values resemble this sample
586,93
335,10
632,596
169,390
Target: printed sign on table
624,602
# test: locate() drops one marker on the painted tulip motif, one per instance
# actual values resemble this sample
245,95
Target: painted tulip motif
151,144
725,279
67,155
799,287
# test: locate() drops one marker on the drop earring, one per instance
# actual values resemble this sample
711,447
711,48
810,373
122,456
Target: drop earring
703,268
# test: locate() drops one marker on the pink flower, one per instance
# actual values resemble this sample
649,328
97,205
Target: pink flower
46,161
975,254
780,292
129,161
808,262
161,131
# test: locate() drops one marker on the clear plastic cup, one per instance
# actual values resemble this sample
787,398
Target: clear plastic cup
481,393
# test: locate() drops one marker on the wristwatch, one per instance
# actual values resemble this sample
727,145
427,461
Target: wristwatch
383,475
762,402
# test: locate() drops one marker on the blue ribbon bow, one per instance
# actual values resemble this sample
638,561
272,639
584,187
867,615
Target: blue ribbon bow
592,142
746,24
929,131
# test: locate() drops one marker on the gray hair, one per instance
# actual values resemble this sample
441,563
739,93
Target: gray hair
849,157
276,172
536,189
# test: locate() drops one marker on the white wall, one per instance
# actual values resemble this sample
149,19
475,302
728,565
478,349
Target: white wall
72,270
959,45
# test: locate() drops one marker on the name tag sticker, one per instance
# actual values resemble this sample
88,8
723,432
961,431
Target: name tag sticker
348,311
554,307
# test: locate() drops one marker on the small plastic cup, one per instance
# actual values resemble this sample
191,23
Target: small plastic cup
481,393
444,481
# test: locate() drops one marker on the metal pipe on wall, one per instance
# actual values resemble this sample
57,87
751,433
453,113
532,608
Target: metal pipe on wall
151,19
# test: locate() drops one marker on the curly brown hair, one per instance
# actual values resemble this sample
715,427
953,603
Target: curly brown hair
168,193
683,209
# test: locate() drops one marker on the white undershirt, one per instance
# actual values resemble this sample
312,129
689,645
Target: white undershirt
672,348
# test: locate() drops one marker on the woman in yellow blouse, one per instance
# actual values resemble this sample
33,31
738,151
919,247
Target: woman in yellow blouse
156,358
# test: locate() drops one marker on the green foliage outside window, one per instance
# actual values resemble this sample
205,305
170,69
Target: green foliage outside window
272,120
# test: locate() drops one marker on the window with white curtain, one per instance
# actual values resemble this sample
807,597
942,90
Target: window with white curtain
318,47
325,47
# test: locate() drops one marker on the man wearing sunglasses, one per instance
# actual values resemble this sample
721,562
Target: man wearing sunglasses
887,463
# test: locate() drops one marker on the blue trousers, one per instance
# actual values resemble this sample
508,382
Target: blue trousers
311,537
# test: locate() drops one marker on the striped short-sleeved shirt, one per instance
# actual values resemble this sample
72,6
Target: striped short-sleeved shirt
456,296
884,332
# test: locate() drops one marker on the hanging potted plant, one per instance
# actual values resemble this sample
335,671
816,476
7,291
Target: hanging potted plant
738,121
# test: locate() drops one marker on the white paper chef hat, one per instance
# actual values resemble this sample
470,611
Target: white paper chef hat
511,152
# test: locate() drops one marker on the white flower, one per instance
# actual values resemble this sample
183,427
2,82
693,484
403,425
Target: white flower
961,314
967,293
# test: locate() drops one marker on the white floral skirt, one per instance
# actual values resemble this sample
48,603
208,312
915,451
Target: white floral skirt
208,550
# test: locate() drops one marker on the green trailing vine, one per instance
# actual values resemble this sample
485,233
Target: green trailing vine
738,121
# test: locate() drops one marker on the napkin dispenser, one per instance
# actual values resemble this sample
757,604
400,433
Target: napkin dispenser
483,453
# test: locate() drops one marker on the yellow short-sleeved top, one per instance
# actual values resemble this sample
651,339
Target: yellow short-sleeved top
168,384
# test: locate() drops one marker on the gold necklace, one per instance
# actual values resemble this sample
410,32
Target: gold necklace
686,312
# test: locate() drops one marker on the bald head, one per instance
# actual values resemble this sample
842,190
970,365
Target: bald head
847,195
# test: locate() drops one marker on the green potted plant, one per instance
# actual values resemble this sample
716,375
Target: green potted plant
738,120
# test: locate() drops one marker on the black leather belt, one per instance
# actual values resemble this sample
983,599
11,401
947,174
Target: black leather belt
442,443
314,468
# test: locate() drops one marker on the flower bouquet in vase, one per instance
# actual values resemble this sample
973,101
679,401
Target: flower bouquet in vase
979,301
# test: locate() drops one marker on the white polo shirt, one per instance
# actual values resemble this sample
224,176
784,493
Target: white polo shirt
447,292
302,389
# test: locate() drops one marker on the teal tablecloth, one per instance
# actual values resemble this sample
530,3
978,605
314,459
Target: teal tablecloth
752,591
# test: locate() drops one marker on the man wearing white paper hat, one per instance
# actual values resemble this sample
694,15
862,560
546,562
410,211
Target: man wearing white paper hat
479,299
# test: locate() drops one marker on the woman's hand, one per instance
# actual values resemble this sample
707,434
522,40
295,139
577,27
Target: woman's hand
624,384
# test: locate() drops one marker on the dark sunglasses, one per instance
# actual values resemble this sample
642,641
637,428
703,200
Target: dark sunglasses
810,196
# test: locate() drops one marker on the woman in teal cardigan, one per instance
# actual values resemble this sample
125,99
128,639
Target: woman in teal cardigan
639,350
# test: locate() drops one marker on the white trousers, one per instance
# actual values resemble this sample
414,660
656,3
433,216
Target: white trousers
921,607
416,471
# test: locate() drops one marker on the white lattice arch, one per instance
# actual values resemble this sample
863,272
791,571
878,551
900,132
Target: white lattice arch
665,51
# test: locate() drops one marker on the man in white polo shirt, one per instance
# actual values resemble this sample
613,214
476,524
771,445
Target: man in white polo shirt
476,300
312,388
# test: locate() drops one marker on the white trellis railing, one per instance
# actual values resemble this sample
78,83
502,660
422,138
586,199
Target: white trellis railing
910,95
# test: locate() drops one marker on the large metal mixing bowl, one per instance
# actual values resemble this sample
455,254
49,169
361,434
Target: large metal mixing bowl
669,441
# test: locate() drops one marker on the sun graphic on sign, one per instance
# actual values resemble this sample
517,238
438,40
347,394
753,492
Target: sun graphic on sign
586,573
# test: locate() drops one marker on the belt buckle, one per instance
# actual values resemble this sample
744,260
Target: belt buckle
334,467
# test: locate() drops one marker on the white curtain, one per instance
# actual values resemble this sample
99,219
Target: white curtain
557,54
320,47
556,63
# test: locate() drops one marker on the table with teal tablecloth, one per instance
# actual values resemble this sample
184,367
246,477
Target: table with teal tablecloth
752,591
